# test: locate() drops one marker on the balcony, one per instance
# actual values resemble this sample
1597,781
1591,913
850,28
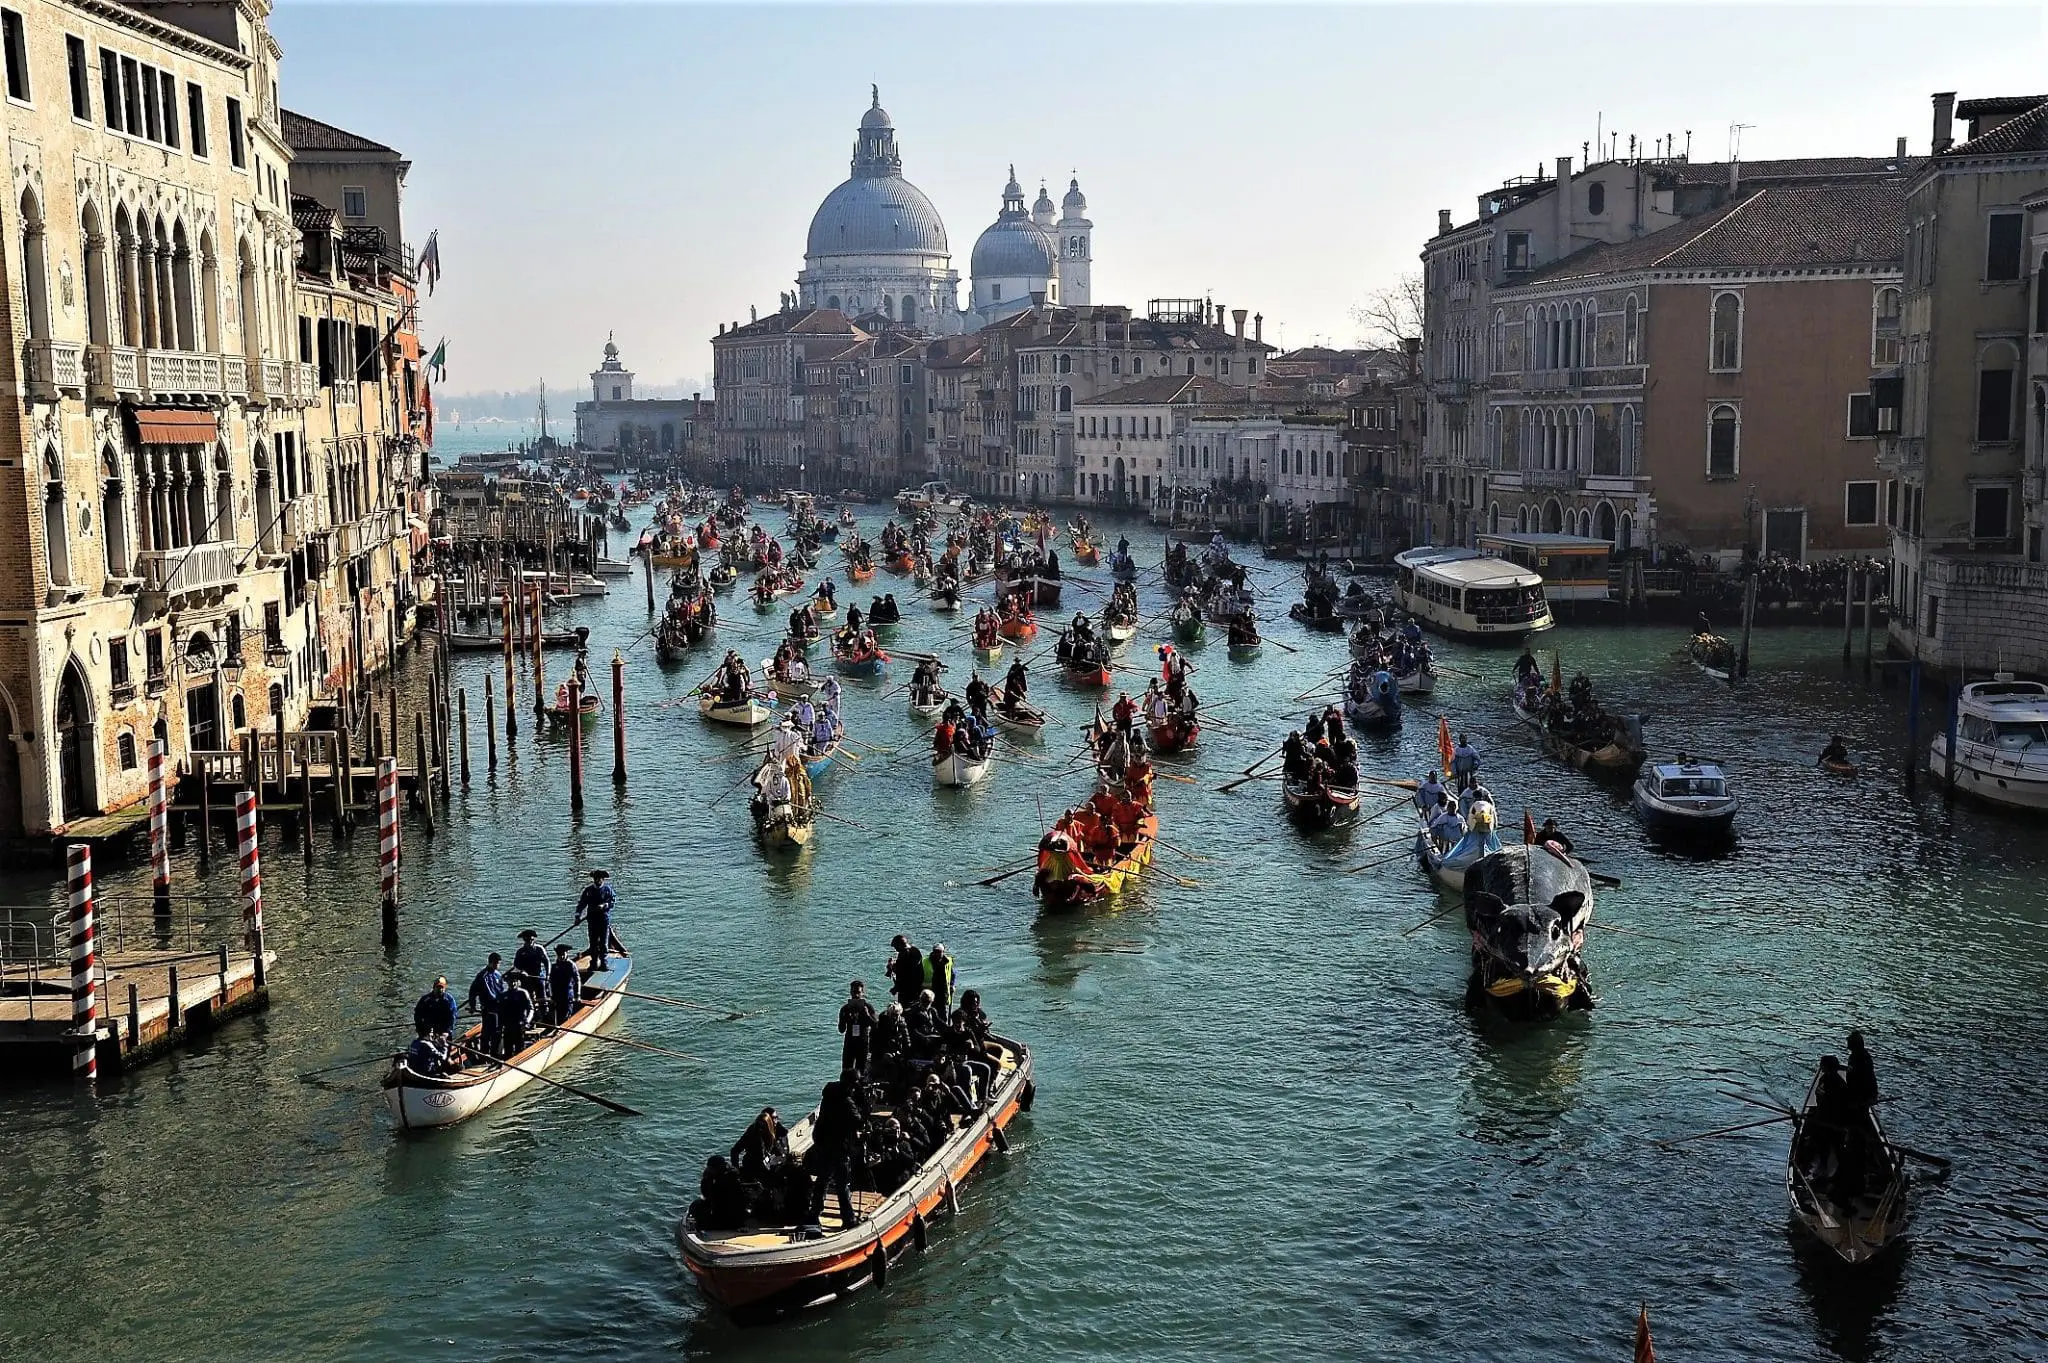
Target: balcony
1539,478
299,520
55,368
286,383
198,568
114,371
170,375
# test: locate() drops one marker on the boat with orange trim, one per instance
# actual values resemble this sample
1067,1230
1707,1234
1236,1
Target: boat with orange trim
758,1272
1066,879
1018,625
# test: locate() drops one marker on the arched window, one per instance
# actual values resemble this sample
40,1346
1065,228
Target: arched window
1329,463
1624,539
248,300
56,537
1493,518
1066,398
1628,442
223,524
1529,360
1631,332
1521,520
1596,198
209,295
183,320
35,293
832,302
113,514
95,257
1724,353
1724,442
909,313
1603,523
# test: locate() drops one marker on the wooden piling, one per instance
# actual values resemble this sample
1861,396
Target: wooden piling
1869,612
134,1016
343,779
462,731
423,784
306,803
575,745
387,846
1848,613
205,814
490,726
648,560
176,1013
618,718
1748,618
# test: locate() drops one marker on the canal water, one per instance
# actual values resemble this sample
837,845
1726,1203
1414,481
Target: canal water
1266,1127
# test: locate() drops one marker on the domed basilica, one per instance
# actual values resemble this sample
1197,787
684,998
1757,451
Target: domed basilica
877,245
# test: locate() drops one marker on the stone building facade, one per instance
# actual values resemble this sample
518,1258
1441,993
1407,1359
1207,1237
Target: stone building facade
1964,421
670,432
169,463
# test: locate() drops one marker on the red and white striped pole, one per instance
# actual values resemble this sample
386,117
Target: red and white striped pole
387,843
159,826
85,1025
252,878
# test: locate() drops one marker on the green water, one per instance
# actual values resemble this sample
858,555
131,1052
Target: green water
1266,1127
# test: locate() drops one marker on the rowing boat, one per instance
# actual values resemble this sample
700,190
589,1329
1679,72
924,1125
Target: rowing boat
758,1272
789,688
1018,627
988,653
422,1100
1244,652
492,643
1446,866
1173,734
743,714
959,769
932,706
1834,768
1085,887
1023,718
1318,804
858,664
1857,1218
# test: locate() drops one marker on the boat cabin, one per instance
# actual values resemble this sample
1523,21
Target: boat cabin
1573,567
1692,781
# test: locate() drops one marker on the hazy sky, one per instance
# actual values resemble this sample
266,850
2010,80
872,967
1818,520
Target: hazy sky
652,168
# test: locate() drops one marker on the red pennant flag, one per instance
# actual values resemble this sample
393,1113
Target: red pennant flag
1528,827
1646,1351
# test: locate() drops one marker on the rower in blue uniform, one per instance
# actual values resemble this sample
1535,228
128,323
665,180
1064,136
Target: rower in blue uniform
596,907
484,992
436,1009
531,958
565,984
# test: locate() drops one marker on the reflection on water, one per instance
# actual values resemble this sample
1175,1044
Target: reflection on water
1849,1305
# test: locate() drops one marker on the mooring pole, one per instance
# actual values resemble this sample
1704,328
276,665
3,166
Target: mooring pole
85,1025
1848,613
462,731
575,744
490,726
618,718
387,845
1869,615
159,829
251,855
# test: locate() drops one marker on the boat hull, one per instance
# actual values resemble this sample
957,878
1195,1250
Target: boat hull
2012,787
959,771
746,715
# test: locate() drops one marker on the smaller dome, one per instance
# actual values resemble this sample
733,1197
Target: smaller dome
1044,204
876,118
611,349
1076,201
1015,249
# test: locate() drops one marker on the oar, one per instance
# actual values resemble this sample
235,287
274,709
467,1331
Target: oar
1631,932
1375,846
1439,914
997,880
1264,760
1171,848
1726,1130
1383,861
584,1094
1386,781
628,1041
1605,882
1184,780
1404,800
1937,1161
730,1015
382,1056
1262,776
849,823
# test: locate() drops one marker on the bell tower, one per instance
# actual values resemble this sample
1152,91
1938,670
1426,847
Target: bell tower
1077,247
611,381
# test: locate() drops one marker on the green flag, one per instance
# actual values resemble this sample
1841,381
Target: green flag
438,361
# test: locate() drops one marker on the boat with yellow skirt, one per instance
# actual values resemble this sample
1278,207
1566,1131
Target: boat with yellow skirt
1066,877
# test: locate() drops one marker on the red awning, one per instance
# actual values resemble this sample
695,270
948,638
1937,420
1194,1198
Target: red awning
173,426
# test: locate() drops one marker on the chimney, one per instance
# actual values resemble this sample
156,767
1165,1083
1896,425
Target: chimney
1259,328
1900,154
1564,207
696,397
1443,222
721,328
753,313
1238,315
1734,176
1944,121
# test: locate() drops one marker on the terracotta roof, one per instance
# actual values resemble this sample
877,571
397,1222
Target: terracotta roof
1797,168
310,134
1783,226
815,322
1167,391
310,215
2028,132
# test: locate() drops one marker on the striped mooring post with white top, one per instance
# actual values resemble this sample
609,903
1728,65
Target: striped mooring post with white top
159,827
85,1021
252,878
387,844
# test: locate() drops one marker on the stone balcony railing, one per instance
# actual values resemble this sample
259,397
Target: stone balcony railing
1536,478
286,383
299,520
119,371
196,568
55,368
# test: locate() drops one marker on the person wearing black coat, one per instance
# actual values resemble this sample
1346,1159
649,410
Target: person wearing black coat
857,1025
565,985
835,1136
906,969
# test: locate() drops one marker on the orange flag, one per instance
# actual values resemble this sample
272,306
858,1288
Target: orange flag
1646,1352
1443,741
1528,827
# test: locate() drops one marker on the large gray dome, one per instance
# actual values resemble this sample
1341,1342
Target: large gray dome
1010,249
879,214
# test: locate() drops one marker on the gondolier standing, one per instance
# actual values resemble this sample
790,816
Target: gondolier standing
596,907
484,992
565,984
436,1009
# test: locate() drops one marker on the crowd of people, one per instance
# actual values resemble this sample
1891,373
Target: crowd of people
1321,753
910,1074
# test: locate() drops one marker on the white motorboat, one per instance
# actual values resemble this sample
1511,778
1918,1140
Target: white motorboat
2001,749
1685,797
422,1100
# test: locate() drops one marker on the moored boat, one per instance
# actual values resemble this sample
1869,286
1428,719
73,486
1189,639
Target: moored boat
2001,744
419,1100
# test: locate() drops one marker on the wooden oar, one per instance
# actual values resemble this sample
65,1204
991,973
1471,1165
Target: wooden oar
1383,861
997,880
1606,882
1387,781
1375,846
1439,914
636,1045
1264,760
850,823
1184,780
381,1056
1404,800
1171,848
1723,1131
1938,1161
1262,776
584,1094
729,1014
1631,932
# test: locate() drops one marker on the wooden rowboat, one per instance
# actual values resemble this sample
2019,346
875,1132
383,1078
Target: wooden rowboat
958,770
419,1100
787,688
752,711
859,572
1120,875
1246,651
588,706
1319,805
493,643
1863,1224
758,1272
1018,627
1022,719
1833,768
988,654
1174,734
875,664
